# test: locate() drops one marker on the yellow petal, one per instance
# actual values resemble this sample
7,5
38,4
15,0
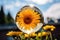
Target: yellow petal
13,33
26,35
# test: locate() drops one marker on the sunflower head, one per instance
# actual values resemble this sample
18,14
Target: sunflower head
13,33
43,34
50,27
29,19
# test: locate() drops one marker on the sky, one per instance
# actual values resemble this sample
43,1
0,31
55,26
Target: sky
49,8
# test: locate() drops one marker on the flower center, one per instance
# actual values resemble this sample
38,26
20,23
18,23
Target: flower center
27,20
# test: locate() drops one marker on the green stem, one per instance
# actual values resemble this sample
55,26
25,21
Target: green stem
31,39
41,34
37,38
50,35
22,37
47,38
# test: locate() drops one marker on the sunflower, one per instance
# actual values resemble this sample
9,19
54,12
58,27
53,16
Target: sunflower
33,34
13,33
26,35
51,27
43,34
28,18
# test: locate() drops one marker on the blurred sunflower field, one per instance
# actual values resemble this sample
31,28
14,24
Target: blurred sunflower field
44,34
